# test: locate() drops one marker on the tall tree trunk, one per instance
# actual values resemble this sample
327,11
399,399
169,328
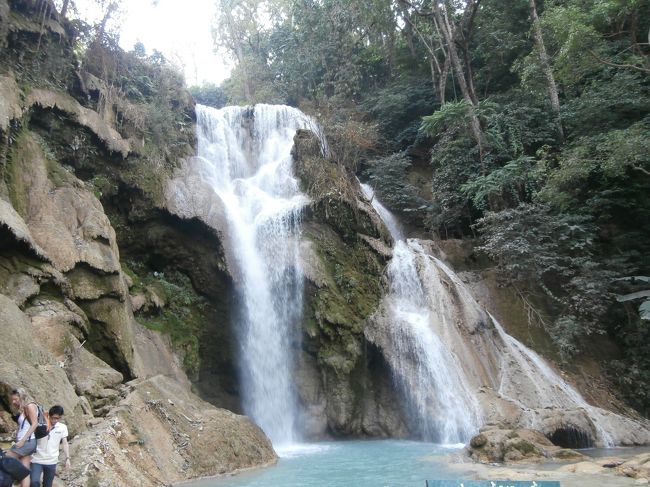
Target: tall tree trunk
408,28
434,64
465,31
551,86
475,125
435,85
242,65
443,80
64,8
110,10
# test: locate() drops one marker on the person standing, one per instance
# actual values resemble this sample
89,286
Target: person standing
46,457
27,419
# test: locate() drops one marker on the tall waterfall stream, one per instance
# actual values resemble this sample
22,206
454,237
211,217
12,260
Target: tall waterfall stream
247,157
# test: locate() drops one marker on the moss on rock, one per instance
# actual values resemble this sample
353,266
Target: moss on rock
350,294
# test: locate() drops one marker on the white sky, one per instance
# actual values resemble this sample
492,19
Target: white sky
180,29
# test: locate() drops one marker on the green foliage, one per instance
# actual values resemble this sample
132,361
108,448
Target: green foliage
210,95
387,175
610,101
516,179
181,317
398,108
147,96
451,115
454,163
558,253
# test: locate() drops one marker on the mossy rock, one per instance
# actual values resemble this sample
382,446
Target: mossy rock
336,311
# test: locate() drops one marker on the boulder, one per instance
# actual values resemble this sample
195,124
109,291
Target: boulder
516,445
89,374
87,284
637,467
160,433
56,324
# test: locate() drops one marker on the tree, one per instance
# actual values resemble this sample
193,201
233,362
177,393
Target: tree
546,68
449,32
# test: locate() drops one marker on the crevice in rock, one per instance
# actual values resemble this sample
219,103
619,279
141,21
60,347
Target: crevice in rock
9,243
570,437
103,346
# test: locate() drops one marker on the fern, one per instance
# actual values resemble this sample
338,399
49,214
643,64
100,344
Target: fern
452,114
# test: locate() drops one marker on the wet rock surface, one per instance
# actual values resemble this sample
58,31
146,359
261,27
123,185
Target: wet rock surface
627,469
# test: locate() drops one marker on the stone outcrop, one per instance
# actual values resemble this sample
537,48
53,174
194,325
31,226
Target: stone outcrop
518,445
161,434
82,116
344,251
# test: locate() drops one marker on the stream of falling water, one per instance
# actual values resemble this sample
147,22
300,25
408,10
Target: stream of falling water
246,154
440,402
440,368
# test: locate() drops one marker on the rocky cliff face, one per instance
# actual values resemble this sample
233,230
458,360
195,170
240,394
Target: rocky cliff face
345,383
100,285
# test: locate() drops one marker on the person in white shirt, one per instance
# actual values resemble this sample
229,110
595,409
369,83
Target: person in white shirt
45,459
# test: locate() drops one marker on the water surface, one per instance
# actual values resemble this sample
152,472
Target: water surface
385,463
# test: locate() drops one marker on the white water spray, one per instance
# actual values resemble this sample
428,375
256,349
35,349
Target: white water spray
246,156
439,400
446,351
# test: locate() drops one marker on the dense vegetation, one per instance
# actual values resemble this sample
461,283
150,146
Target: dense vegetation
535,135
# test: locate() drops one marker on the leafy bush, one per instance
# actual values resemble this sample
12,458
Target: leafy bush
388,176
557,253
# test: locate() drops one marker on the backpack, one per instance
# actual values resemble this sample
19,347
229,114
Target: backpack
43,423
11,470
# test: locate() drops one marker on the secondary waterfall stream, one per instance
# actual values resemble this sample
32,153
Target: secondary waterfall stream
440,403
455,364
247,157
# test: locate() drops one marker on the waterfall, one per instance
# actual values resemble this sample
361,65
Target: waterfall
457,367
245,155
439,400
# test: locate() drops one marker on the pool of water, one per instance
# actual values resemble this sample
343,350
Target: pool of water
385,463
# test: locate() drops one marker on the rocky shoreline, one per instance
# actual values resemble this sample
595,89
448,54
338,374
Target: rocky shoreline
627,468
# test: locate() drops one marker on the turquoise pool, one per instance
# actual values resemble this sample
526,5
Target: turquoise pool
385,463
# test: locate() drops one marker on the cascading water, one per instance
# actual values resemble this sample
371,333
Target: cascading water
439,400
245,154
457,366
